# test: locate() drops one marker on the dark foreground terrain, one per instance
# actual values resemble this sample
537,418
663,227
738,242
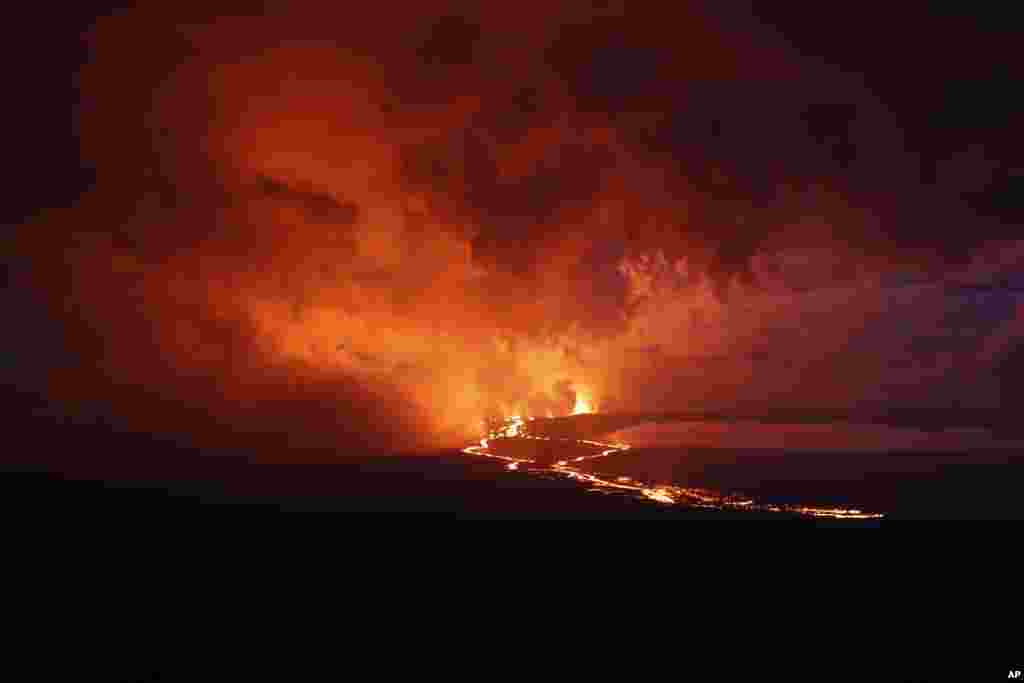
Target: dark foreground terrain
53,465
59,466
429,486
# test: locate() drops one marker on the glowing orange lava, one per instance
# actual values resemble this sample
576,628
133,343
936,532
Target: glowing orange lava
584,403
666,494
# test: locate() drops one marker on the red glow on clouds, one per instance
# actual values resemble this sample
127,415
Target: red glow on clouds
306,227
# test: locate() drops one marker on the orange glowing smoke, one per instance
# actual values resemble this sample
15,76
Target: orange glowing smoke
370,241
292,256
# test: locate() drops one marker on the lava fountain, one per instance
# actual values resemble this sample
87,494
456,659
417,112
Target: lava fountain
584,403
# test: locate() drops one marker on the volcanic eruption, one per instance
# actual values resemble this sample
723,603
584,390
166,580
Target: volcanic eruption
314,227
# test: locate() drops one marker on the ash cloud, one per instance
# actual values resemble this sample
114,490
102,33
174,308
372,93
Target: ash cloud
324,225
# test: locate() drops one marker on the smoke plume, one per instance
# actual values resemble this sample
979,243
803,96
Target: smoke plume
318,227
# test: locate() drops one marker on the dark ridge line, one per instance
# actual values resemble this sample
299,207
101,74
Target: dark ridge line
929,420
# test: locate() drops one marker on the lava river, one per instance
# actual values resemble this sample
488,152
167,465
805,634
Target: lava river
516,428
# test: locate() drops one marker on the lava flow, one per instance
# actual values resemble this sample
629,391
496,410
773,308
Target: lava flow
516,429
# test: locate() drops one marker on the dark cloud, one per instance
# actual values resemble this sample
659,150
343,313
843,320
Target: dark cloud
452,40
